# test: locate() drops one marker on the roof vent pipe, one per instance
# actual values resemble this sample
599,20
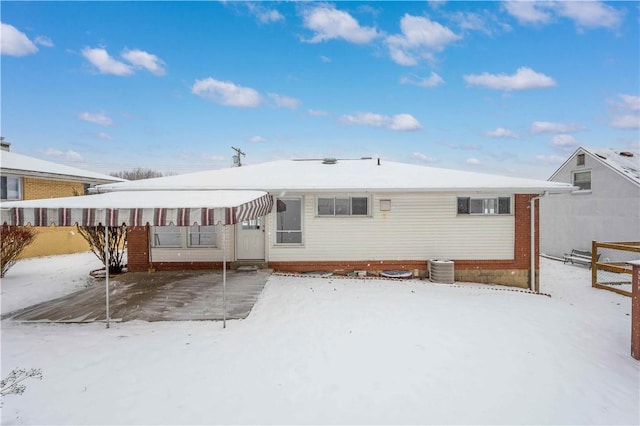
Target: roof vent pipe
378,161
329,161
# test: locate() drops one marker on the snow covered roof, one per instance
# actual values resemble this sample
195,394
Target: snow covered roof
22,165
340,175
625,161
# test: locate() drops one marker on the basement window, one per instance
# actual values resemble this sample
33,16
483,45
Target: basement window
484,205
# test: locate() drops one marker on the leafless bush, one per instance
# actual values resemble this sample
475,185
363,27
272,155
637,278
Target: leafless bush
117,239
12,383
13,240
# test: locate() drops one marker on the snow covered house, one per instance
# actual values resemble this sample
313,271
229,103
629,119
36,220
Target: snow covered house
356,215
28,178
605,206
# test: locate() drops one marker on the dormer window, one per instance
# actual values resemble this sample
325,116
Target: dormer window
580,160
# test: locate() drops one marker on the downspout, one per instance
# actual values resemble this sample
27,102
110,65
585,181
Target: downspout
532,284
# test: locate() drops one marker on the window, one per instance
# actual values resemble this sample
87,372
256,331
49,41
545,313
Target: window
485,205
582,180
184,236
10,188
289,221
202,236
343,206
580,160
167,236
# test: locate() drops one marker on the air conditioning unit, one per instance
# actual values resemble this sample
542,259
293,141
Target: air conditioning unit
441,271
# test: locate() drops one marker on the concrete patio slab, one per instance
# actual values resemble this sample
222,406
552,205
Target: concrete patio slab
156,296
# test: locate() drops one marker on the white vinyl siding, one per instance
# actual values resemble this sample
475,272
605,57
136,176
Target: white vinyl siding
418,226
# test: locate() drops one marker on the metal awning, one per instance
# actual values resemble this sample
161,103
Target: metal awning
136,208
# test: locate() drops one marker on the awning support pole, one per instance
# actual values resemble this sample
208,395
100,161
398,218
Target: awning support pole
106,267
224,276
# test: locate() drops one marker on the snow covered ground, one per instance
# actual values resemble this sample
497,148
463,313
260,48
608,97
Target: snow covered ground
333,351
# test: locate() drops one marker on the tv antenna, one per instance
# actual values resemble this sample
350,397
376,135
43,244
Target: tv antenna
237,159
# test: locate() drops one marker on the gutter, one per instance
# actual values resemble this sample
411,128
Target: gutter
532,284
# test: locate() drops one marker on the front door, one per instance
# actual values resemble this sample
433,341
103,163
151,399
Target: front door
251,240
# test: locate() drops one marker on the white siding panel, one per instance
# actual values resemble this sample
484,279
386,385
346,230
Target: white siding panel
419,226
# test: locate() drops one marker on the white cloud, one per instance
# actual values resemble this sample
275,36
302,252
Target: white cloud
539,127
564,141
404,122
424,158
590,14
212,158
472,161
585,14
142,59
97,118
257,139
318,113
284,101
43,41
227,93
501,132
264,15
484,22
530,12
325,59
524,78
64,155
105,63
15,43
329,23
419,35
105,136
399,122
550,159
434,80
626,112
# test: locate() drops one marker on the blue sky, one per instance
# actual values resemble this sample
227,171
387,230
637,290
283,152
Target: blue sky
508,88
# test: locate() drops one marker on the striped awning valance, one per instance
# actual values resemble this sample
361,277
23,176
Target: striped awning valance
157,208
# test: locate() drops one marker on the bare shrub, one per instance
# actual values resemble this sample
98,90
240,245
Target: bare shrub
12,383
13,240
94,235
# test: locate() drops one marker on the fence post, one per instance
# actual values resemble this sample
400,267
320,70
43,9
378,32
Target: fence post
594,263
635,309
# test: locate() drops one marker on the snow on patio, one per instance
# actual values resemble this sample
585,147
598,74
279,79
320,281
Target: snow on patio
335,351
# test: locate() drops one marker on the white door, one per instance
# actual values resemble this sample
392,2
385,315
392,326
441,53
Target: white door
251,240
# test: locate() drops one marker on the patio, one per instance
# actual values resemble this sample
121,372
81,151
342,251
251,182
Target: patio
157,296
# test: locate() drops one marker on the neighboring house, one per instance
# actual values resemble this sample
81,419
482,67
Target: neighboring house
364,215
605,206
28,178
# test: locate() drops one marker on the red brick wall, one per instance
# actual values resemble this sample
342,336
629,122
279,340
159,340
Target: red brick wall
138,248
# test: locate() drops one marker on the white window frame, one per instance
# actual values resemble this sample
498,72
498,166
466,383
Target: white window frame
350,198
19,184
277,232
580,172
486,205
184,237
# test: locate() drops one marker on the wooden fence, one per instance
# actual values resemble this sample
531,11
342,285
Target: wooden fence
610,270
